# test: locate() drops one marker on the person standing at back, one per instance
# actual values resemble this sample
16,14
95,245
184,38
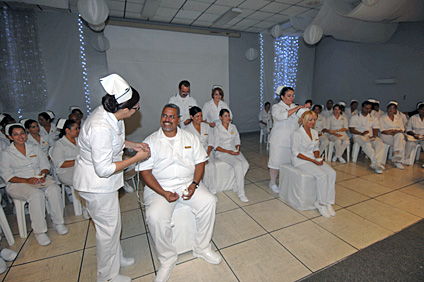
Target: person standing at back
184,101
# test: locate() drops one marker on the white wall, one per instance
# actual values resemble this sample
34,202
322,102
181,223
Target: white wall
154,62
346,70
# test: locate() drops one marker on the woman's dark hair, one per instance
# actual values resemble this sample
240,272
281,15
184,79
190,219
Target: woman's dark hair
223,111
46,116
7,120
338,106
194,110
420,106
29,122
13,127
68,125
111,105
365,103
392,104
285,90
317,106
308,101
220,91
77,111
267,103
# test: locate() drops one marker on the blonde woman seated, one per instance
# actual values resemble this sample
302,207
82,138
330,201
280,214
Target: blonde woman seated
305,156
337,127
35,138
64,153
392,133
25,167
203,131
227,146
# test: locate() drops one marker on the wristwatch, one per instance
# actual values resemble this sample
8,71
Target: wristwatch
195,184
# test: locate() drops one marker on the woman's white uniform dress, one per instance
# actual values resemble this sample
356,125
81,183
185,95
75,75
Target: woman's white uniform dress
64,150
416,125
398,140
206,139
280,143
14,164
325,176
101,142
340,143
320,125
228,140
45,142
211,111
53,134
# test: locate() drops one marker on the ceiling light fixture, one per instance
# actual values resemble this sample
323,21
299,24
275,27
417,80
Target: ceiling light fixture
149,9
226,17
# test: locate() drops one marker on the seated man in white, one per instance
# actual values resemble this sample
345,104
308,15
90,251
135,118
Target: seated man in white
305,156
172,174
365,132
415,132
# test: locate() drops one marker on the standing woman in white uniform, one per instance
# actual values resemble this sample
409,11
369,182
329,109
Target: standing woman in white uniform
265,119
45,119
285,123
305,156
98,171
337,127
321,126
212,108
392,133
35,138
227,146
25,168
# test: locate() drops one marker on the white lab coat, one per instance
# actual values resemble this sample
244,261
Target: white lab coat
320,125
228,140
4,141
373,149
14,164
173,162
101,142
265,117
211,111
349,113
376,114
284,125
416,125
327,113
184,104
340,143
325,176
64,150
45,142
53,134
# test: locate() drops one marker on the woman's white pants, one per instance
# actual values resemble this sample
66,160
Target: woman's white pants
397,141
325,181
339,144
240,165
106,214
323,143
36,199
159,213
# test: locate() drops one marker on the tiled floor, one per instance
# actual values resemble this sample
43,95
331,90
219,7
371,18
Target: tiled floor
263,240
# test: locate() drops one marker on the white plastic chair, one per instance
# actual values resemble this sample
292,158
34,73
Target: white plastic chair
355,151
20,217
6,228
415,154
388,149
330,149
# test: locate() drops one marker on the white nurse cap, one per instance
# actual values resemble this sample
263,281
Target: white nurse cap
217,86
279,88
115,85
6,130
50,113
419,104
353,100
372,100
301,111
22,121
71,108
342,103
392,103
61,123
2,117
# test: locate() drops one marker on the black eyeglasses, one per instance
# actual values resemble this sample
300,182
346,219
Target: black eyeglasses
136,108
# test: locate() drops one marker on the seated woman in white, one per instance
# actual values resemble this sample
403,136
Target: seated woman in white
212,108
24,167
305,156
337,127
47,128
203,131
227,146
415,132
265,118
392,133
321,126
37,139
5,119
352,110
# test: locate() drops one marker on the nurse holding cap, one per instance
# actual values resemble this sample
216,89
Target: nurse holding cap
305,156
392,133
98,171
285,123
212,108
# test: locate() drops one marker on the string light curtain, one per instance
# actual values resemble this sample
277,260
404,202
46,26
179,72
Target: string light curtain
286,61
22,76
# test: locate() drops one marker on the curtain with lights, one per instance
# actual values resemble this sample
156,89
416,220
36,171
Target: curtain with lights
22,76
286,61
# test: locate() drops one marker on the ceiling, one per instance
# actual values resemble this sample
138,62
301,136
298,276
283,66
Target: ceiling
256,16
